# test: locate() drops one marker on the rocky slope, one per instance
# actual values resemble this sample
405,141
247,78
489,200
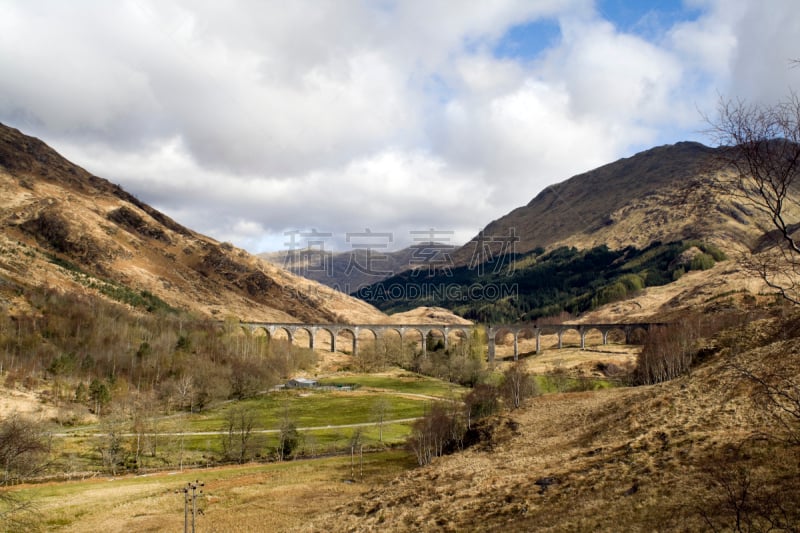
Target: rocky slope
63,227
655,195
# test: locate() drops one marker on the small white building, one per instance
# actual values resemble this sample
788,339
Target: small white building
301,383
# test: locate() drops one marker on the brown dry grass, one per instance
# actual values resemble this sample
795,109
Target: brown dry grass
694,290
24,403
427,315
570,357
276,497
630,459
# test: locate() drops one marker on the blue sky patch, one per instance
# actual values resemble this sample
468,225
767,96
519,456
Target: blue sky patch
526,41
647,18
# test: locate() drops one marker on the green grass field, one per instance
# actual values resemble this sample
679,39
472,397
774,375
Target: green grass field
404,382
310,409
326,419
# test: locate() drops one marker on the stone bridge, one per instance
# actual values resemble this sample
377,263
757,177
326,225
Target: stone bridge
418,331
559,329
421,331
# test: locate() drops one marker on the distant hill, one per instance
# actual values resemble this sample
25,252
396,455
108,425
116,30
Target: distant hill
344,271
65,228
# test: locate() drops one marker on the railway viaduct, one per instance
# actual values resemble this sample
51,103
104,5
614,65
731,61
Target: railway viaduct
421,331
537,331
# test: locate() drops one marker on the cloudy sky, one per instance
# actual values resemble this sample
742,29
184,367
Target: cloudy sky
246,120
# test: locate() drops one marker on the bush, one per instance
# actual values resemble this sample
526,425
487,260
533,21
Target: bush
702,262
435,433
632,282
612,293
23,448
714,252
483,400
289,440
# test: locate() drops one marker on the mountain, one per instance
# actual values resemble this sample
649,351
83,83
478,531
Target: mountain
598,238
651,196
63,227
344,271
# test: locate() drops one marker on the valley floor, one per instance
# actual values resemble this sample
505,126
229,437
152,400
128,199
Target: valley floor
651,458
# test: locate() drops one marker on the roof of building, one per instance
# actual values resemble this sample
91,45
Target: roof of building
306,381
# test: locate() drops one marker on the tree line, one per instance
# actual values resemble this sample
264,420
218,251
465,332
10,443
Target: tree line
86,350
563,279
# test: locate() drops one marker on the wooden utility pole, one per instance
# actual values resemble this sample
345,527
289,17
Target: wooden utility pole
195,487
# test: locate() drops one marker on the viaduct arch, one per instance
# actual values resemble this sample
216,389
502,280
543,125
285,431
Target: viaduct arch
378,330
582,329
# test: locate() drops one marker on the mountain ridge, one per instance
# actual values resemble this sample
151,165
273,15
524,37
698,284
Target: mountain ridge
583,210
64,227
341,270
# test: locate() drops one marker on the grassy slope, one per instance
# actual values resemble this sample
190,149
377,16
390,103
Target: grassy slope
248,497
633,459
585,205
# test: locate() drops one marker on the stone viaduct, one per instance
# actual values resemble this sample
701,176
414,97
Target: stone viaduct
420,332
559,329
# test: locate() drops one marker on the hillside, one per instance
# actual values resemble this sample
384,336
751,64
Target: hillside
624,230
651,196
579,282
693,454
344,271
63,227
428,315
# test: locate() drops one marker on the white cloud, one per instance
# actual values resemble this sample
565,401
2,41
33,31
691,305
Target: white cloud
244,120
613,76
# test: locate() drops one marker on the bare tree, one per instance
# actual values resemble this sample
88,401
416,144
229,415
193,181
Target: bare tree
518,385
356,445
380,411
480,402
777,396
668,352
760,151
23,453
432,434
236,442
23,448
185,390
743,496
288,436
111,445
